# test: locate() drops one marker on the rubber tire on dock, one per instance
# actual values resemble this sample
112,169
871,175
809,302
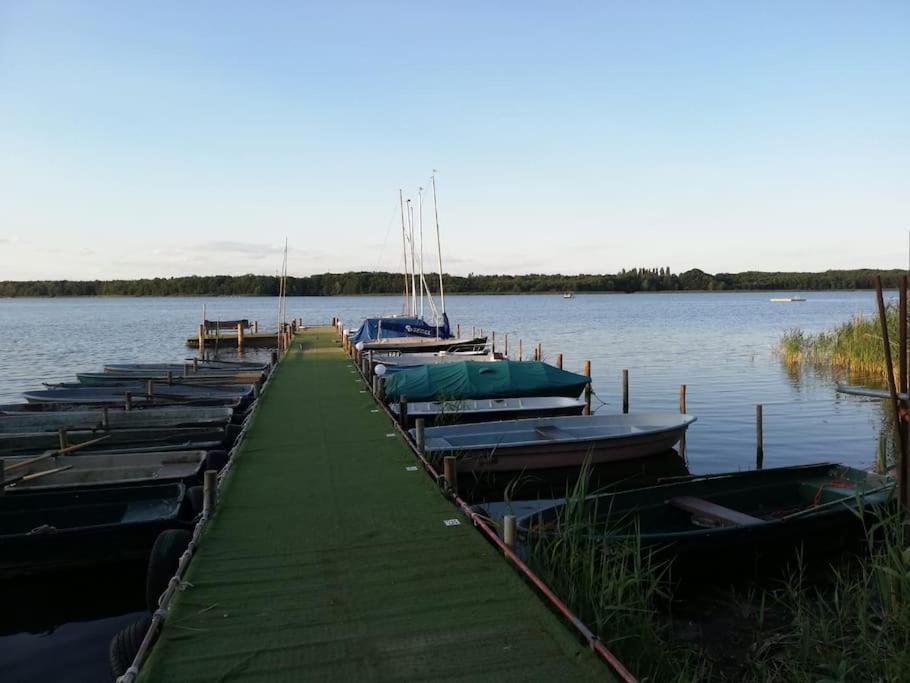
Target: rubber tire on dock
125,644
163,561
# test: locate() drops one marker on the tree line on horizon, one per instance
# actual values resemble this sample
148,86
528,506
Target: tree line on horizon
354,283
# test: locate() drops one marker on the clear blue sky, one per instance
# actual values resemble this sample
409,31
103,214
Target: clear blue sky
170,138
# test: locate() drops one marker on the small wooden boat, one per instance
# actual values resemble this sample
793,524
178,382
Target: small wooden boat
108,469
43,531
95,379
11,443
541,443
487,409
139,393
116,418
720,518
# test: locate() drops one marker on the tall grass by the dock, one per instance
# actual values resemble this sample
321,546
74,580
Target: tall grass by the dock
849,621
854,347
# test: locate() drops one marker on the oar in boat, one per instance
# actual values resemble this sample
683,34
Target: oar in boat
54,453
35,475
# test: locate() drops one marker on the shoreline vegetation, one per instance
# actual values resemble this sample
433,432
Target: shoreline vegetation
385,283
854,347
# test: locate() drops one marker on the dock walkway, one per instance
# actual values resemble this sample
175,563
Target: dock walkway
327,559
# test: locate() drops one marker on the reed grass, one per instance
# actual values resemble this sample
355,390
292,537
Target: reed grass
854,346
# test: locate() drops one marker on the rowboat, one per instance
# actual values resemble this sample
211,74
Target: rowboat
173,416
541,443
473,380
195,366
43,531
195,379
487,409
14,442
140,402
108,469
138,390
717,516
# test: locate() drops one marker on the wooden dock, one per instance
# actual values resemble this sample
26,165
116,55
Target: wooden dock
331,557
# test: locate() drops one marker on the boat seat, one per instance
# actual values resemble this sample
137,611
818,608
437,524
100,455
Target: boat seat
713,511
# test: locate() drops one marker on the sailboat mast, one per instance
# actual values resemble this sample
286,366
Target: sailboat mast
413,260
442,296
404,249
420,231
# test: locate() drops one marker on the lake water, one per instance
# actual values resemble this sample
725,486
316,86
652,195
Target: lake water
721,345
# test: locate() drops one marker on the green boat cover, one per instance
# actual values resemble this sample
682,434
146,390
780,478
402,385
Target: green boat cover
478,379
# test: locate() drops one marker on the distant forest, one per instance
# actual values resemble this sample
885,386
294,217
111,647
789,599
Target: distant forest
333,284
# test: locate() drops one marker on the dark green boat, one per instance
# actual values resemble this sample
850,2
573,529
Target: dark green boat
55,531
725,517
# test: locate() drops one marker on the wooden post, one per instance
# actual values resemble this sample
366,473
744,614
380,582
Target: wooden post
903,467
376,385
186,369
201,339
170,377
559,361
759,438
128,402
240,336
625,392
274,358
892,388
539,351
682,410
255,327
450,472
150,388
508,531
195,364
209,492
458,331
493,343
418,434
505,351
520,349
403,411
587,372
381,389
105,419
61,437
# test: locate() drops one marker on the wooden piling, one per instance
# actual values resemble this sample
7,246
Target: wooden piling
625,392
682,410
186,369
586,370
128,402
559,361
209,492
473,332
418,434
381,389
255,327
376,386
505,350
403,412
539,351
458,331
62,438
759,438
105,419
240,336
509,531
493,342
169,376
903,469
201,338
150,388
450,472
892,388
520,349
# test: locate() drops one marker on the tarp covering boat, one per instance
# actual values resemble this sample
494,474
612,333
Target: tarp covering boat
467,380
405,326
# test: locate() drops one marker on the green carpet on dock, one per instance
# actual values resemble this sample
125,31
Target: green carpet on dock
328,560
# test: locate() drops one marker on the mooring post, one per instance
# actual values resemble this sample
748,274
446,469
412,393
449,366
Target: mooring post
539,351
759,438
365,366
508,531
586,370
376,386
458,331
186,369
61,437
450,473
170,377
493,342
240,336
209,492
418,434
255,327
128,401
520,350
150,388
403,411
381,389
274,359
625,392
682,411
505,350
105,419
201,338
559,361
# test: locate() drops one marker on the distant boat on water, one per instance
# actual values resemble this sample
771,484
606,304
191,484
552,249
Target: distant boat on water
786,299
568,295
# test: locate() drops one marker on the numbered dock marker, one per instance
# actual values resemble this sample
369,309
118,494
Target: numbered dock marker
452,522
411,468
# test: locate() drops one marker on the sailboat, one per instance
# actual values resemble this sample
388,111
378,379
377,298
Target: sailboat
410,332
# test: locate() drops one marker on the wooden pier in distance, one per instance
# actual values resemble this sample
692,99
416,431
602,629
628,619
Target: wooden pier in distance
331,556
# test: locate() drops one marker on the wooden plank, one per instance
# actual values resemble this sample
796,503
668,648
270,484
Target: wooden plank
719,513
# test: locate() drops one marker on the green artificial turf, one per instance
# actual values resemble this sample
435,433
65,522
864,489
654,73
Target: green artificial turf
327,560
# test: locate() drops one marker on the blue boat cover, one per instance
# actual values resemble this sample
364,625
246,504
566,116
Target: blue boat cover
478,379
385,328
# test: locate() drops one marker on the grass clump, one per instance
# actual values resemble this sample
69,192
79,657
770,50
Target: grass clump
854,346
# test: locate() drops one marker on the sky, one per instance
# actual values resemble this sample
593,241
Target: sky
173,138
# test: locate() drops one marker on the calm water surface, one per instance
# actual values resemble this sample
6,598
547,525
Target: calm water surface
720,345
